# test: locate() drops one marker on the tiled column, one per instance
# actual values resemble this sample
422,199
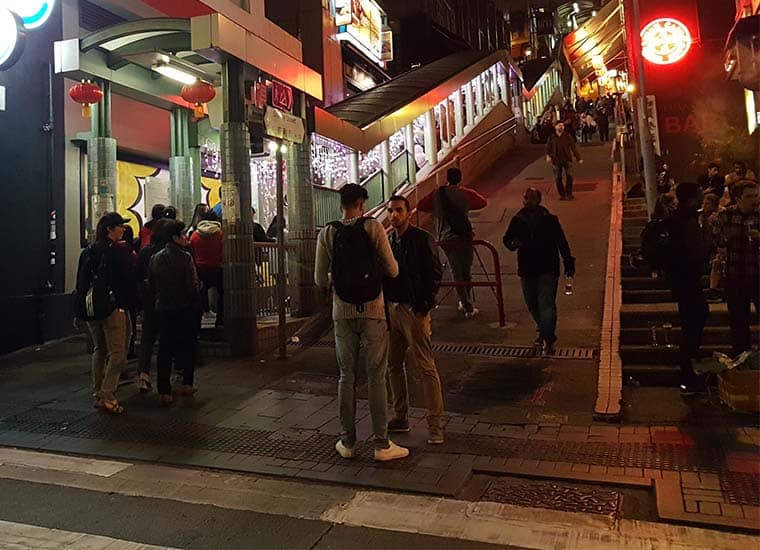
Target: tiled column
302,234
504,87
237,217
431,146
180,166
101,162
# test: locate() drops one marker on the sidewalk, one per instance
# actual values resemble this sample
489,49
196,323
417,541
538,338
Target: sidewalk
509,417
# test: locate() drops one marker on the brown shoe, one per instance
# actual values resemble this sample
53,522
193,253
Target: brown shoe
188,391
165,399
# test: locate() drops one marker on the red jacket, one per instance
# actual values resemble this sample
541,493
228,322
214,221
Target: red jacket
475,200
206,243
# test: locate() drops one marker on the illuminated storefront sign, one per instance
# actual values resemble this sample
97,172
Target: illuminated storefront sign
361,23
11,38
33,13
665,41
16,17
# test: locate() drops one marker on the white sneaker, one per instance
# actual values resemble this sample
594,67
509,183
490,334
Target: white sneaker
471,314
392,452
461,307
343,451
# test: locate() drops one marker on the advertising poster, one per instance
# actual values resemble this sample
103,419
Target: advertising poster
361,21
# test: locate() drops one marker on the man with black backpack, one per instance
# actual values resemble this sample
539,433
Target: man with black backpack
688,254
451,207
103,295
353,256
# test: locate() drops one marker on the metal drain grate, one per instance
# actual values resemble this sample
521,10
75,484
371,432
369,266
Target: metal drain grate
493,350
555,497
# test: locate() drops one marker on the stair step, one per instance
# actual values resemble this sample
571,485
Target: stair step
716,335
636,271
648,282
641,315
652,375
646,355
652,296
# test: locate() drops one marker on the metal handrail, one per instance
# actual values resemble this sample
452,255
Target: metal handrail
495,284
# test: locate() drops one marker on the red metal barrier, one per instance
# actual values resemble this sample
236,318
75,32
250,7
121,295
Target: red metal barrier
496,284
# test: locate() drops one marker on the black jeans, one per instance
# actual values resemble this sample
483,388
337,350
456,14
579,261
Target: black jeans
212,277
693,311
148,338
176,346
564,190
739,296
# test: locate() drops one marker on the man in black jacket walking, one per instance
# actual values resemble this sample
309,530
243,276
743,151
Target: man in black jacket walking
688,255
560,152
410,297
538,237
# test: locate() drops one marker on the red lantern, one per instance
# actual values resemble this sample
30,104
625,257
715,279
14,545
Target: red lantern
198,94
86,93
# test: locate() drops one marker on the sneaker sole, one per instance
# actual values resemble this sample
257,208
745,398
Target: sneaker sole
388,459
400,430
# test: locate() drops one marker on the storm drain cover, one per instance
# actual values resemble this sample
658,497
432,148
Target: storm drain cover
494,350
565,498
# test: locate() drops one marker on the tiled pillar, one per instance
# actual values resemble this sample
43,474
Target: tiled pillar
385,163
101,162
237,217
411,163
479,97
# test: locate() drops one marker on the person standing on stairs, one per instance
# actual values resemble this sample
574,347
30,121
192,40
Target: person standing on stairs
560,152
451,206
738,232
685,264
537,236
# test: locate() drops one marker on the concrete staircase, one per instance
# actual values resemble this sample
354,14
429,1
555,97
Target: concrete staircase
649,312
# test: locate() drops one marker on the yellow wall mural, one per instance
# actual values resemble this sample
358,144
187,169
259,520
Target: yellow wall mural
213,189
131,182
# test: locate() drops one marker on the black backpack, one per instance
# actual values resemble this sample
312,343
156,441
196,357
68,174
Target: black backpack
95,297
457,219
656,243
356,271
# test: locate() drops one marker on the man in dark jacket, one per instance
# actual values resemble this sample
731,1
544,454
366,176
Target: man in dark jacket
560,152
410,297
687,259
538,237
175,282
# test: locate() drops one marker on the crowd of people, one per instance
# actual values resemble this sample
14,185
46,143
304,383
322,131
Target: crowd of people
711,228
582,121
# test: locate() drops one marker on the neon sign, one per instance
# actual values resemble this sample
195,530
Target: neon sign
665,41
33,13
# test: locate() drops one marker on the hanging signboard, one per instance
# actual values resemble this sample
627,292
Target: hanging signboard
17,17
282,125
387,52
282,96
364,27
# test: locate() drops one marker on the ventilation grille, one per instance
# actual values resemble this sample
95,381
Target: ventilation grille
92,17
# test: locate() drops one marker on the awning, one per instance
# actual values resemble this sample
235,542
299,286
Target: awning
742,53
601,38
364,120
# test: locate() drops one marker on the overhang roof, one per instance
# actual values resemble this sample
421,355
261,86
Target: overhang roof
604,35
366,119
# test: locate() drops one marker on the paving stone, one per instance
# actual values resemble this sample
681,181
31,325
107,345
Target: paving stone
634,472
709,508
691,479
732,510
691,506
654,474
582,468
700,494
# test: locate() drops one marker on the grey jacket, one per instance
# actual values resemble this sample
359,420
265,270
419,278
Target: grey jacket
174,280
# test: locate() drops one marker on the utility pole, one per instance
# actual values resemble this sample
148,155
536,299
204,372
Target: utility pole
645,136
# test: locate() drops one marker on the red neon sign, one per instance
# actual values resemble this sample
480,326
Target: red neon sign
665,41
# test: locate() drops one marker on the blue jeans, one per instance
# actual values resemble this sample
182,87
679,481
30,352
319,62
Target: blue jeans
362,343
540,292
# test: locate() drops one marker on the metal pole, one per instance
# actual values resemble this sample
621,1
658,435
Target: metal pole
647,147
281,334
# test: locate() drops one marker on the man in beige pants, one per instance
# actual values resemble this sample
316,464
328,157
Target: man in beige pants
410,297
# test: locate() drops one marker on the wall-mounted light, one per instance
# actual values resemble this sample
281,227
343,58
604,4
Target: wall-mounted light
174,73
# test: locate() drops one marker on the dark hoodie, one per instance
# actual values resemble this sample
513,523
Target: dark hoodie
689,249
538,237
